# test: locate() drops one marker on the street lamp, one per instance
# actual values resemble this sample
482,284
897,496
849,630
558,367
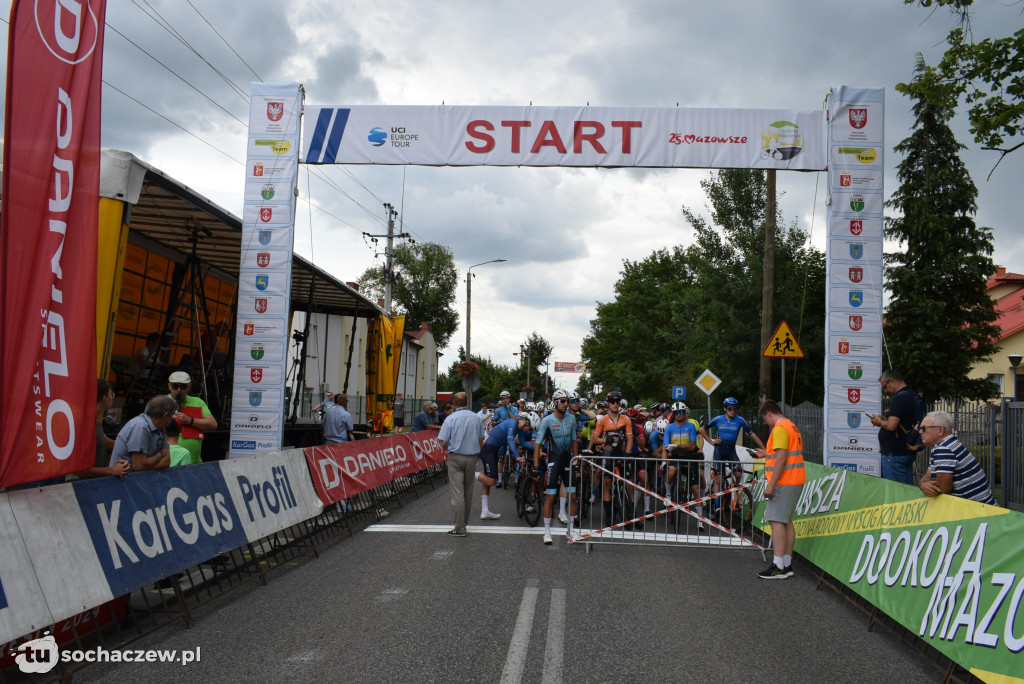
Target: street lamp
1015,362
469,305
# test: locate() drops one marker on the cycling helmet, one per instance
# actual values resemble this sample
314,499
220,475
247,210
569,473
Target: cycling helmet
730,401
680,406
662,407
614,396
632,413
559,394
534,420
649,427
602,404
661,424
504,393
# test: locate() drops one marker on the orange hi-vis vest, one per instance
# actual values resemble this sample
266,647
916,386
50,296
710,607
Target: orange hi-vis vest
793,474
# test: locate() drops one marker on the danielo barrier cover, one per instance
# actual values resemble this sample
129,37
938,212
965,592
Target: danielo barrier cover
950,570
343,470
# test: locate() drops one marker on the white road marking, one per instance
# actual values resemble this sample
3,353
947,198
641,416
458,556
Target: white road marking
552,673
516,659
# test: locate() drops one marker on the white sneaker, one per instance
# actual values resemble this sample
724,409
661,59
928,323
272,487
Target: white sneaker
547,538
490,516
562,519
700,525
531,508
593,498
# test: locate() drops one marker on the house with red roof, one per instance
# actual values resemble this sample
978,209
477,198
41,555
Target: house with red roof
1007,291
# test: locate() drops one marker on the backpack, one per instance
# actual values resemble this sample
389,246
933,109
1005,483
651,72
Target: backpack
912,437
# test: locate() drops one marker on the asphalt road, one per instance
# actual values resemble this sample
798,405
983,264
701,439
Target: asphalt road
419,606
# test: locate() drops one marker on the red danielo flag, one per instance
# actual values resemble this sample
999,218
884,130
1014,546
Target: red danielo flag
48,233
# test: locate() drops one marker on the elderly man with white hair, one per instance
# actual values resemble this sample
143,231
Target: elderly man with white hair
952,469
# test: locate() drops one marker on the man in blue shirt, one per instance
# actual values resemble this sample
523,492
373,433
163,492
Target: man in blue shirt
728,426
505,411
338,422
425,419
558,430
462,434
502,434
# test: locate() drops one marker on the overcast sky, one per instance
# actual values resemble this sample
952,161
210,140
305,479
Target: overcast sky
564,232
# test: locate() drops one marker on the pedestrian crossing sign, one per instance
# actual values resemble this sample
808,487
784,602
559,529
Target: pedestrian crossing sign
783,344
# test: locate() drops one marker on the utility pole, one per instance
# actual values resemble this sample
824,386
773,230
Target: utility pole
524,352
389,255
469,321
768,288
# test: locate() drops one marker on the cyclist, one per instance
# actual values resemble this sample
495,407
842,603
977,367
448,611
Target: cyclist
639,451
558,431
728,426
681,442
582,416
505,411
614,435
502,434
525,442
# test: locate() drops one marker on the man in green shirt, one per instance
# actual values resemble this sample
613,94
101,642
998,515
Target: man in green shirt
193,414
179,454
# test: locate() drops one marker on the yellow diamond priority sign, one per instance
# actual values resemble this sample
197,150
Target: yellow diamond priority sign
783,345
708,382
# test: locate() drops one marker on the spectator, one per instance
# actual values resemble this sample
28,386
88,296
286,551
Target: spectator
425,419
338,422
102,467
952,469
484,415
398,417
327,403
193,414
142,441
444,412
784,467
141,361
462,436
899,419
179,455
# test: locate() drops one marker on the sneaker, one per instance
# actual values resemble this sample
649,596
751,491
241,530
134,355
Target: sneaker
531,509
593,498
499,485
456,533
700,524
789,571
774,572
381,513
562,519
490,516
547,539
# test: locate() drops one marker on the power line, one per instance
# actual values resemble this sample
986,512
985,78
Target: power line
240,58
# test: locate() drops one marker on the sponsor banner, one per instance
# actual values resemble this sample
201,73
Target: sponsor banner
268,147
852,156
569,367
270,492
259,238
263,283
260,305
258,212
857,120
855,443
859,370
343,470
948,570
245,398
257,259
848,418
856,202
856,227
276,169
272,352
48,236
856,178
266,191
865,465
261,375
256,421
861,322
247,445
251,329
280,116
855,298
855,250
854,274
565,136
866,397
22,603
383,357
855,345
147,526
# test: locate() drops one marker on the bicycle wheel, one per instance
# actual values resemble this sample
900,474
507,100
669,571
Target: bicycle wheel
532,502
520,495
744,510
583,494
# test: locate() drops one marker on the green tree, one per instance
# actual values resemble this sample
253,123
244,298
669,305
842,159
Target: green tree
537,351
940,322
988,74
424,287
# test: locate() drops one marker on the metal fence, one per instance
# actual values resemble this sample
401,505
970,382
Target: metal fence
115,625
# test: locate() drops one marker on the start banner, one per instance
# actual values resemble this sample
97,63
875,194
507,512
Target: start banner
343,470
566,136
949,570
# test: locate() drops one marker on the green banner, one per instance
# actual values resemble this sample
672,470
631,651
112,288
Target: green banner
950,570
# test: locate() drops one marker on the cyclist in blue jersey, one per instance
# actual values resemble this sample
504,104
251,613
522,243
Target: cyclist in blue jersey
558,431
503,434
505,411
582,416
728,426
681,443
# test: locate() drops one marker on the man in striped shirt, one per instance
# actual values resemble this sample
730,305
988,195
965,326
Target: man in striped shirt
952,469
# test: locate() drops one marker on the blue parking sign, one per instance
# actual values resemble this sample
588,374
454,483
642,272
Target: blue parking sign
679,393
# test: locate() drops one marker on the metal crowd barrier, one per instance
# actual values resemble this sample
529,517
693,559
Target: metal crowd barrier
115,625
666,512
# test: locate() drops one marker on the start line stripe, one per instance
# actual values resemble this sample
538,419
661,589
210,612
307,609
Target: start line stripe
598,535
473,529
